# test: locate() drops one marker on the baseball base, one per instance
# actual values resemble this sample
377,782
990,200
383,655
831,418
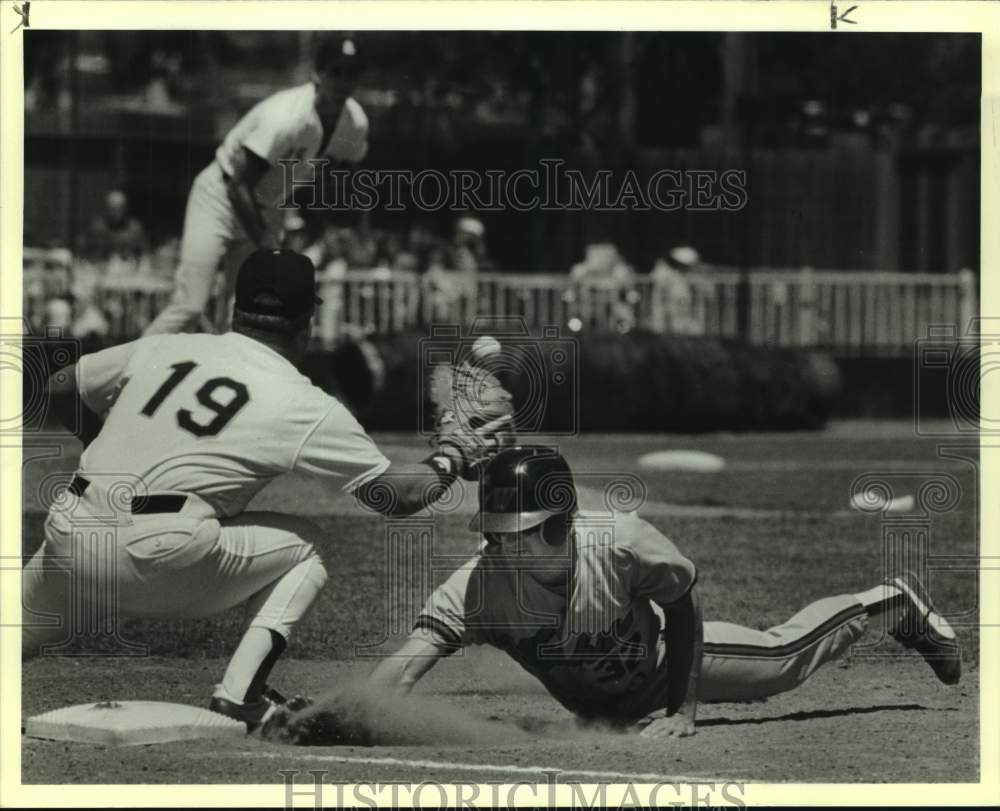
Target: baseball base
682,460
131,723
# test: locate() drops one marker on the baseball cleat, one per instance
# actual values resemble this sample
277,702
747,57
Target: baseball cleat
252,713
276,725
923,629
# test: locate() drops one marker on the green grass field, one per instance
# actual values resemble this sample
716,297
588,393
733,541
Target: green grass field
770,533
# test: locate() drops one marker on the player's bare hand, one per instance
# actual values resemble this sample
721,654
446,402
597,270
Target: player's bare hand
673,726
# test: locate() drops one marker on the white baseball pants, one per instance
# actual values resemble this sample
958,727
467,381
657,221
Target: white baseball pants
89,573
740,663
212,236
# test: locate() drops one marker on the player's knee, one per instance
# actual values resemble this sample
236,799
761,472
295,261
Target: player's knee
316,571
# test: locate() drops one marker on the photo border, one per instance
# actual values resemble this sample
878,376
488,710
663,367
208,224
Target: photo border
800,15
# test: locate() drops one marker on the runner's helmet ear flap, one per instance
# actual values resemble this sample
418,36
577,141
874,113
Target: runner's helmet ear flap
555,530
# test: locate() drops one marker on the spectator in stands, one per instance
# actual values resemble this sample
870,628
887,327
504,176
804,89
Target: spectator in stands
79,318
165,78
363,251
165,257
602,264
468,251
406,261
90,324
59,314
679,295
450,278
114,233
332,263
296,233
420,240
436,261
605,287
387,247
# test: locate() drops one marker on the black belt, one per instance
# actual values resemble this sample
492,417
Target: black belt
141,505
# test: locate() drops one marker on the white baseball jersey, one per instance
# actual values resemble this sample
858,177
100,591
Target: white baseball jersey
282,126
286,126
219,416
597,647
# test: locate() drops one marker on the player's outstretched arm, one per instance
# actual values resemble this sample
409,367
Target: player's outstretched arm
406,489
683,636
399,672
351,718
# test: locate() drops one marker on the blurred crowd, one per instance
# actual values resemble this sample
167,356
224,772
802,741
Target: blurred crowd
116,239
63,288
336,248
680,290
114,250
448,267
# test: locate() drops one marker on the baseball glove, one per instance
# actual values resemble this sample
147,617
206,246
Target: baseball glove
473,415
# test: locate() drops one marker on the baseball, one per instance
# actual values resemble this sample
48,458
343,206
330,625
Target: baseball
485,347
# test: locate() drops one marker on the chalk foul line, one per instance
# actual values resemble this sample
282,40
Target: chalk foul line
458,766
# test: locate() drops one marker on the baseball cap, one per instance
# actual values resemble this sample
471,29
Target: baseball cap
685,255
286,280
338,55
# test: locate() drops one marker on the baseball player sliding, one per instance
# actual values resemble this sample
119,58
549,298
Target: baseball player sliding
233,204
195,425
606,615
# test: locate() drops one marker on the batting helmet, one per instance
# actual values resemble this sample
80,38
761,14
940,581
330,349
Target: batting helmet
523,486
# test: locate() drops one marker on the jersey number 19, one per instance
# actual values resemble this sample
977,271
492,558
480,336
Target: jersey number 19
224,412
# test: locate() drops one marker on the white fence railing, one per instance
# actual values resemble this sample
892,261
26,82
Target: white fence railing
843,310
846,311
368,302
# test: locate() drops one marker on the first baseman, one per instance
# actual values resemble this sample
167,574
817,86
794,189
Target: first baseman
604,612
180,433
233,204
